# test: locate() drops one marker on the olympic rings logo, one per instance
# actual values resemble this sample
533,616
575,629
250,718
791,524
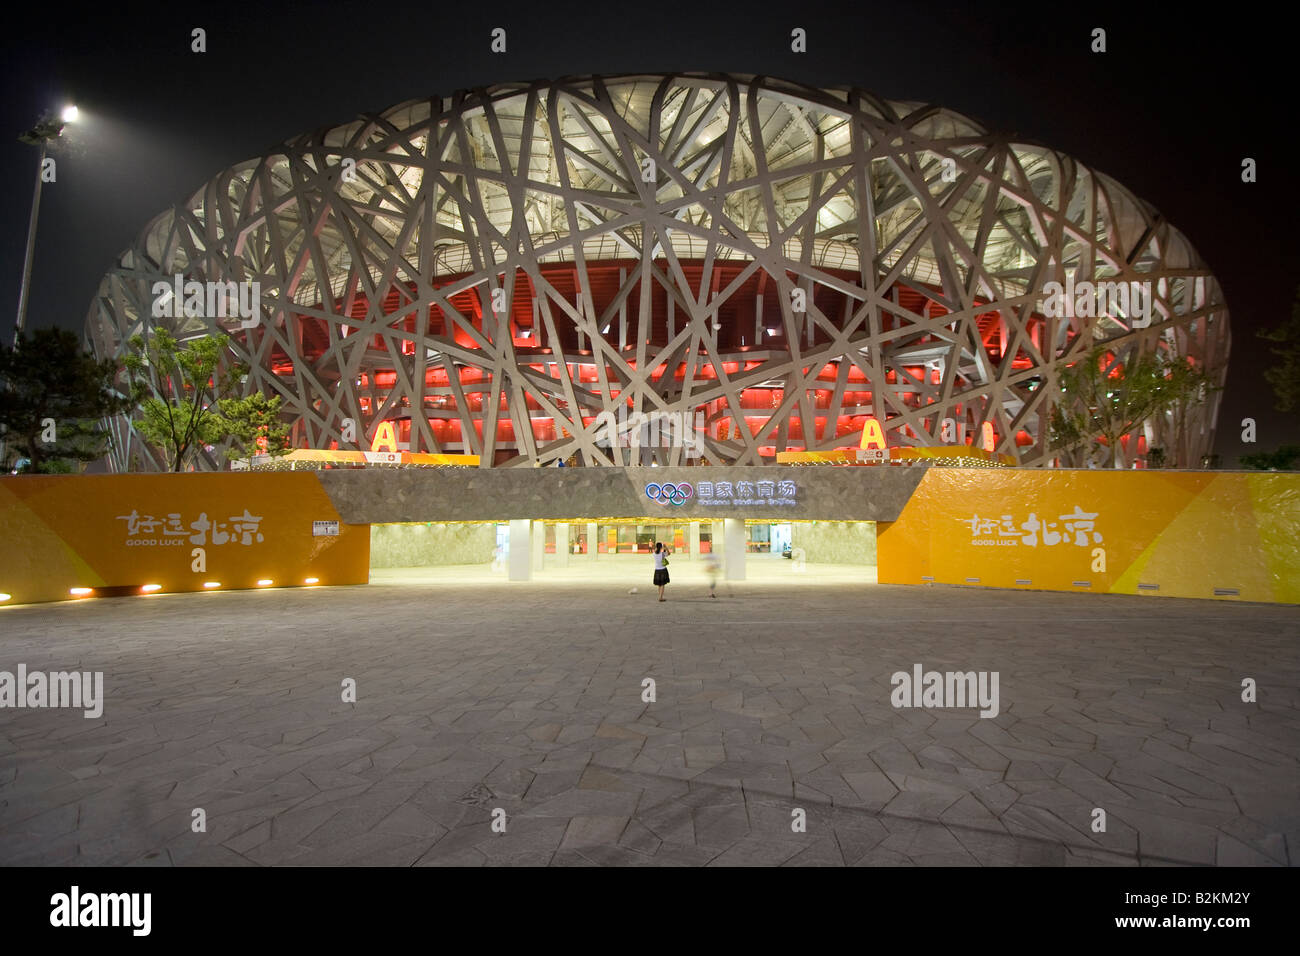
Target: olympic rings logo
668,493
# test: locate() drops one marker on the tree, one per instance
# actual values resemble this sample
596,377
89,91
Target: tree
177,388
1103,400
53,398
1286,458
253,426
1285,377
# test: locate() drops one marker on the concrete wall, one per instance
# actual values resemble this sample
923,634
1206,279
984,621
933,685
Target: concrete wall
425,545
835,542
367,496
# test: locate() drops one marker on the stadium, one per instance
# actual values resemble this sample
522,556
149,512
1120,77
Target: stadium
505,272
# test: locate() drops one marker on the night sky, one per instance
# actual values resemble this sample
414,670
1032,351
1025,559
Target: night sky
1170,111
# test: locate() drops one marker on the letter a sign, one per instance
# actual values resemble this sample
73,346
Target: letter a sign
385,438
872,435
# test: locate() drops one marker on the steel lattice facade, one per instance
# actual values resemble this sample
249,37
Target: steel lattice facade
493,270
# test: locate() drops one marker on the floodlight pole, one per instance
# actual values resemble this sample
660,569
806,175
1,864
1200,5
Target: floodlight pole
31,245
39,135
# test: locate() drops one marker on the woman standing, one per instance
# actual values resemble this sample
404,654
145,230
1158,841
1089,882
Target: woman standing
661,567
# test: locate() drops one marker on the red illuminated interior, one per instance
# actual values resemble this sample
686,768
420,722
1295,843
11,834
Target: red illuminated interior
533,345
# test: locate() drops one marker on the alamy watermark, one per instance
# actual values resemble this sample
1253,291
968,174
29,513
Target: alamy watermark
948,689
76,909
654,429
1087,299
211,300
84,689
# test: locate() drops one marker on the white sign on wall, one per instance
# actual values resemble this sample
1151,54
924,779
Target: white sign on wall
150,531
708,493
324,528
1004,532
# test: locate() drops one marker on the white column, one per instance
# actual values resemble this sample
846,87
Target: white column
562,545
591,541
521,555
539,545
733,533
693,539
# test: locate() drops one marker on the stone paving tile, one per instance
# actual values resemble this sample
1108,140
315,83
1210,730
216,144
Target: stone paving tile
587,831
774,697
1231,852
682,855
881,856
760,850
613,855
524,837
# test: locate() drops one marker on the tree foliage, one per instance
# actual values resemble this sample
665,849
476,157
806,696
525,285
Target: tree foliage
177,387
1102,401
1285,376
1286,458
54,396
253,426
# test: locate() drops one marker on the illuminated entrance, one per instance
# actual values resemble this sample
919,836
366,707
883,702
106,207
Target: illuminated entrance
626,536
772,520
545,546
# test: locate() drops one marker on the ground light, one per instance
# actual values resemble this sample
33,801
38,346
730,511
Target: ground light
149,589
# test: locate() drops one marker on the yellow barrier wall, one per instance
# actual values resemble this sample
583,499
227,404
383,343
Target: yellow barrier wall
1188,534
125,531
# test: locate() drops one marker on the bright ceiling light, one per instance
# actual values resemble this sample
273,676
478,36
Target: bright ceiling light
150,588
312,581
80,592
70,114
264,582
212,584
4,597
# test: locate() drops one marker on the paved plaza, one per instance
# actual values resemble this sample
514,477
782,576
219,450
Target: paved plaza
474,695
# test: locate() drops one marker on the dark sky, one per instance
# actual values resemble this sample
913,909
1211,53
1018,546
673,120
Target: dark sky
1170,110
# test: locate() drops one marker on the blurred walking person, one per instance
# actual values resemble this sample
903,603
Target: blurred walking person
711,567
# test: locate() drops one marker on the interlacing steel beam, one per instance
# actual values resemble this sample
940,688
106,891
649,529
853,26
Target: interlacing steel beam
493,270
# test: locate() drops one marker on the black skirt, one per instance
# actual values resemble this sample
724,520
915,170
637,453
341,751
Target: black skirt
661,576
